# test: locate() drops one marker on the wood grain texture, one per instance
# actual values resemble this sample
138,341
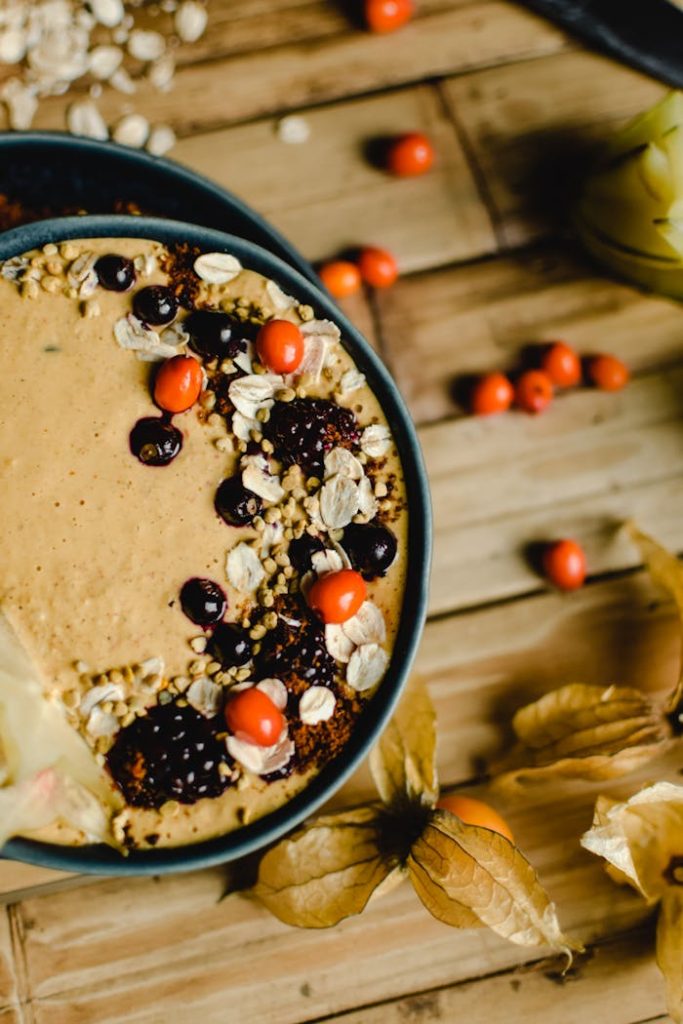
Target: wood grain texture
532,128
170,949
327,196
8,979
501,483
224,91
541,994
443,325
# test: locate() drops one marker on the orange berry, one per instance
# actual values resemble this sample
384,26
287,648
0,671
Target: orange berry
410,155
387,15
251,715
562,365
534,391
178,384
564,563
280,346
608,373
337,596
492,393
340,277
476,812
378,268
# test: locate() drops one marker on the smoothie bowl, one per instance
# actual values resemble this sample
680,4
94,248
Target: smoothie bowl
215,545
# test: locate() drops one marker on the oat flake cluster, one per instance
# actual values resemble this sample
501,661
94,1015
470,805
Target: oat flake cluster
54,44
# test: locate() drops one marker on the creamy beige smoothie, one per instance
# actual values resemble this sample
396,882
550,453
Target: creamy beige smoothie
156,565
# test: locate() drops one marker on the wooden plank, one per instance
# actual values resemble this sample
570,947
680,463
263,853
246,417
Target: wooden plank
16,877
439,327
228,90
326,196
532,128
169,950
484,664
154,949
500,484
626,966
8,978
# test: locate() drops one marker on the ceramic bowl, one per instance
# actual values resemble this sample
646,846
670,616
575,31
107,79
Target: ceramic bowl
101,859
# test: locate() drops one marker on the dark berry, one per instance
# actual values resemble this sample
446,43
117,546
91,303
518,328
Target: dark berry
371,548
155,305
303,430
203,601
154,441
215,335
171,753
230,645
115,273
235,504
301,552
296,652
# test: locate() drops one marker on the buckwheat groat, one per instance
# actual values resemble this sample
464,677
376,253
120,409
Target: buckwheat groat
204,526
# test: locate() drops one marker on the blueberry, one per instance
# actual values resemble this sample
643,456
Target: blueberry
115,273
302,550
230,645
371,548
235,504
155,304
215,335
154,441
203,601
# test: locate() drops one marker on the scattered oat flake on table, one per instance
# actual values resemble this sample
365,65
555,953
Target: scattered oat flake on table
190,21
107,12
146,45
83,118
131,130
294,129
161,139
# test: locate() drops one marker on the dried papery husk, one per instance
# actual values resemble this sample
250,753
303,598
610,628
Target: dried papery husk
325,871
468,876
403,763
593,732
641,841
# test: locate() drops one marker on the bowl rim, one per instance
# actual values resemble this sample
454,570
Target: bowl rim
258,834
166,166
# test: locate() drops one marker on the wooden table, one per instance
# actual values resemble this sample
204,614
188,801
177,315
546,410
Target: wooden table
514,107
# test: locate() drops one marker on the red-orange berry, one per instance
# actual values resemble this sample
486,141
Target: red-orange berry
410,155
251,715
534,391
387,15
608,373
378,268
178,384
280,346
562,365
340,277
475,812
491,393
564,563
337,596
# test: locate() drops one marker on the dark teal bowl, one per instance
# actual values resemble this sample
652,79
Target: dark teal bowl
53,172
102,859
